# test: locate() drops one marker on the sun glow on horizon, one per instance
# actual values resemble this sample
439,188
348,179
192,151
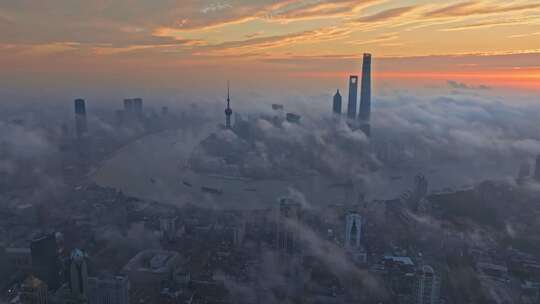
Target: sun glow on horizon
316,39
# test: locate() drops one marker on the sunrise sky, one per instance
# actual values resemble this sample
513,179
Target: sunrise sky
170,43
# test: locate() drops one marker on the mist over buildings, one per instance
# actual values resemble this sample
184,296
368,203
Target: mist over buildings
431,165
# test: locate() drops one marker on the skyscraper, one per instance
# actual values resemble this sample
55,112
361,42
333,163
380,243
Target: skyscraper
353,96
167,227
228,111
418,193
45,260
133,107
128,105
337,103
365,94
286,232
428,286
80,117
353,230
78,275
537,169
138,107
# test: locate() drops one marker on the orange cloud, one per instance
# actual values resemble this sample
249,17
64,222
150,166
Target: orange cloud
387,14
303,10
281,11
486,24
475,8
260,46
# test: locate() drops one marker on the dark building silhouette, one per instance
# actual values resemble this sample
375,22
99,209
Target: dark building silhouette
293,118
138,107
353,96
133,106
365,94
80,106
80,117
45,260
128,105
537,169
419,191
277,106
337,103
228,110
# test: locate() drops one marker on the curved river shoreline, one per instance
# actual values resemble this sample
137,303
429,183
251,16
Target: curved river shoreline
154,168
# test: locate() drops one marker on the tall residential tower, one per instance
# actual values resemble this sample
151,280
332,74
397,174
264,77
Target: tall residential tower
428,286
287,234
78,276
45,260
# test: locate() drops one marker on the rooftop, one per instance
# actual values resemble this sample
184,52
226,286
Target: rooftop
401,260
32,282
152,261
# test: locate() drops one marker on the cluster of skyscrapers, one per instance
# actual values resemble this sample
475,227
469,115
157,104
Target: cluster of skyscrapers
59,277
133,106
364,113
133,110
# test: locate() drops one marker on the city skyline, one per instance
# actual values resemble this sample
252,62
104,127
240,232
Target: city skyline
269,151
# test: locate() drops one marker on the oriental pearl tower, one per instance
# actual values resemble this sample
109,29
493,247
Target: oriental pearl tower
228,110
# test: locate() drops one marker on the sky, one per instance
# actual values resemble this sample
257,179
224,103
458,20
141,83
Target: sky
53,46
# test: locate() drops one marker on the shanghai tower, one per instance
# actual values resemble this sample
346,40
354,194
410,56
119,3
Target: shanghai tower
365,94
